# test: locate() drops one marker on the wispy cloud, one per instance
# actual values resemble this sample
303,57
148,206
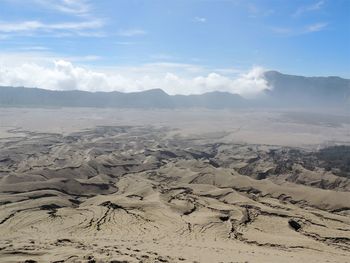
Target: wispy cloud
37,25
254,11
316,27
132,32
21,26
34,48
199,19
74,7
309,8
85,24
307,29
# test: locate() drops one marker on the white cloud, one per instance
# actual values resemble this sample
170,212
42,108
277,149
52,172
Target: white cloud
35,48
132,32
22,26
309,8
63,75
316,27
34,25
200,19
289,31
85,24
74,7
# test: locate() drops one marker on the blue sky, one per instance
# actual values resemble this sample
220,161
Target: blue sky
187,39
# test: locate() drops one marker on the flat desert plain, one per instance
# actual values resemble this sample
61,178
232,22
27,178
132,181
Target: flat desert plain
123,185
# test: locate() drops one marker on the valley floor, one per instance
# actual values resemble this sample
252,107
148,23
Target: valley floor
156,193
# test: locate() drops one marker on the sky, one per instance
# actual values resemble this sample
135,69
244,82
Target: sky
180,46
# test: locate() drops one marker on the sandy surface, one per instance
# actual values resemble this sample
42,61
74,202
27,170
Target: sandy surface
83,185
288,127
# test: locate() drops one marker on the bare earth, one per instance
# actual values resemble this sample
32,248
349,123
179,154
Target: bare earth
103,185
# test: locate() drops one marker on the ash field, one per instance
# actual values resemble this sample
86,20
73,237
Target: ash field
114,185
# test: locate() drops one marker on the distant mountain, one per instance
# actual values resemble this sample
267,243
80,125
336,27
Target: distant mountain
307,91
156,98
286,90
213,100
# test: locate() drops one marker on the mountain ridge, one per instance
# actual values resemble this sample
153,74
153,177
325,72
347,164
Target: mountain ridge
287,90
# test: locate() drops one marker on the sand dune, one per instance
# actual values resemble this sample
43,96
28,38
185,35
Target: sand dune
141,194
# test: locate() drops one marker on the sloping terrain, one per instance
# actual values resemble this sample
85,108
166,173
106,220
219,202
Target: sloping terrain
143,194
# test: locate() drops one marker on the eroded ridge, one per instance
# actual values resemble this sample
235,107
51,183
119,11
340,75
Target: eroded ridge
141,194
